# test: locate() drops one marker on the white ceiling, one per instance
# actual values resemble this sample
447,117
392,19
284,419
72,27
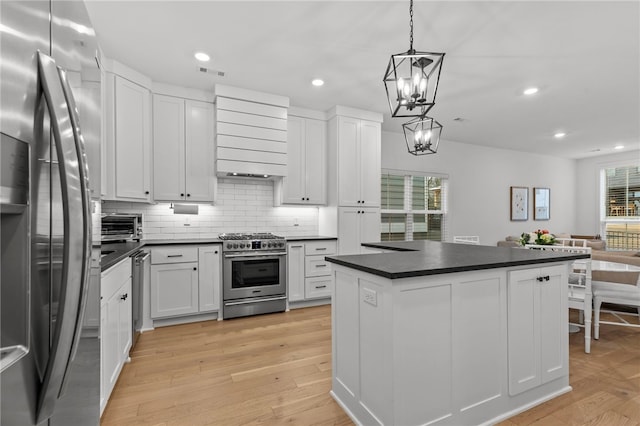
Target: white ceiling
583,55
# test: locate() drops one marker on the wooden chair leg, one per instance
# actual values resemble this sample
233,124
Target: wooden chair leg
596,322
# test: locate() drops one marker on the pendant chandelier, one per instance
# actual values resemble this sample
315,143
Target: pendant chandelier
422,135
411,79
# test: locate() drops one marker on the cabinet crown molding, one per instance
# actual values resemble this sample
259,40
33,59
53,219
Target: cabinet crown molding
354,113
251,95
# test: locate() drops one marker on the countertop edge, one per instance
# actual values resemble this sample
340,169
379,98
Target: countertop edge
449,270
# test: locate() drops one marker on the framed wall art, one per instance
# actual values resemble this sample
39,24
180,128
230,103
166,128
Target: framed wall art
541,204
519,202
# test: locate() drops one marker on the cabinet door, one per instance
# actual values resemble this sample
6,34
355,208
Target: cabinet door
108,352
369,227
315,155
523,312
554,320
199,151
370,163
349,230
295,271
124,321
168,148
209,278
174,289
294,182
132,141
348,162
109,342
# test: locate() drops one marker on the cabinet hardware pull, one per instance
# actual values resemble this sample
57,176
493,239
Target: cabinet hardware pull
124,296
302,198
174,255
321,266
321,286
215,252
320,248
307,198
547,278
146,192
182,194
539,279
188,195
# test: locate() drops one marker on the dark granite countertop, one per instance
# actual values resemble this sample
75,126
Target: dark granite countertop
420,258
115,252
118,251
311,238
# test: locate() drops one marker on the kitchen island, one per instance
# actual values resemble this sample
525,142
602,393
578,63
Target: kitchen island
441,333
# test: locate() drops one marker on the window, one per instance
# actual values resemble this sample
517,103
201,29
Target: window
621,207
412,207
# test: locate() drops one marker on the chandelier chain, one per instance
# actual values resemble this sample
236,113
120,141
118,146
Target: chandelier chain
411,25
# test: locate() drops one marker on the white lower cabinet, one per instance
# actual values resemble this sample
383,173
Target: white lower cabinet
308,274
537,319
357,225
185,280
174,289
115,326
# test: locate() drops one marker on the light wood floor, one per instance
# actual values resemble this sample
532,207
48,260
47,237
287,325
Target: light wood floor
276,369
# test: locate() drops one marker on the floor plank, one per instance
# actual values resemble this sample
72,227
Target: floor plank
276,369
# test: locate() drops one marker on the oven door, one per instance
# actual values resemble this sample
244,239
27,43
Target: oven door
247,275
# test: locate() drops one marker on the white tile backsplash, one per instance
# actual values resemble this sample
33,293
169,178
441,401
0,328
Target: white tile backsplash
242,205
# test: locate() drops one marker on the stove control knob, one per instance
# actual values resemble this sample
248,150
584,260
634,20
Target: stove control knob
281,244
228,245
235,245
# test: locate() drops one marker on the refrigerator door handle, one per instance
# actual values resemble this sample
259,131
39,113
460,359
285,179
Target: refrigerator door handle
76,242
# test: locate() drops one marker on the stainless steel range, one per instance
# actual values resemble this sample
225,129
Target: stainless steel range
253,274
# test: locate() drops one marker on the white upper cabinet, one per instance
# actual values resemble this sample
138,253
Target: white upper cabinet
359,162
128,140
306,178
182,149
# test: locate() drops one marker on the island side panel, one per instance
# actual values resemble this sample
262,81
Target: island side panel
480,344
422,342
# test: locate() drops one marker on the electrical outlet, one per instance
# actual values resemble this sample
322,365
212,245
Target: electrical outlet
295,222
370,296
187,221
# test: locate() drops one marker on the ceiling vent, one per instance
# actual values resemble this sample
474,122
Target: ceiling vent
210,71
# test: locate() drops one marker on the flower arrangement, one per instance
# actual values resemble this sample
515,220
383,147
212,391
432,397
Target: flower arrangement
540,237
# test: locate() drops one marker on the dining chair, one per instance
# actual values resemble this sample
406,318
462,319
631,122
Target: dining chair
580,283
618,294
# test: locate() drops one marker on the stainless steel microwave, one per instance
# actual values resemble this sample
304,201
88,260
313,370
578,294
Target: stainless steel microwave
121,226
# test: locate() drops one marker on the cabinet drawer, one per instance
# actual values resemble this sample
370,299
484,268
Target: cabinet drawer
315,288
316,266
113,278
320,247
178,254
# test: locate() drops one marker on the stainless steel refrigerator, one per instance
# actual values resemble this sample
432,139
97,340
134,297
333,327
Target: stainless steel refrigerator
50,128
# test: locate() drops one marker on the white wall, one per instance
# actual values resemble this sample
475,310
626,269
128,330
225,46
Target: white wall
243,205
480,178
588,178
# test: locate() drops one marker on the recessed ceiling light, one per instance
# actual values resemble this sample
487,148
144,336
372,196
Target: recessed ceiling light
559,135
618,147
202,57
530,91
317,82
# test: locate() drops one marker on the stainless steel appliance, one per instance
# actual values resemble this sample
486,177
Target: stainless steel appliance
49,201
253,274
140,281
121,227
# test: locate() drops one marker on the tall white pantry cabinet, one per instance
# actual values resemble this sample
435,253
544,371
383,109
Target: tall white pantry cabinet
354,164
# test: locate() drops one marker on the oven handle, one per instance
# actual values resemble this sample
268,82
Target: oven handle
261,254
246,302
